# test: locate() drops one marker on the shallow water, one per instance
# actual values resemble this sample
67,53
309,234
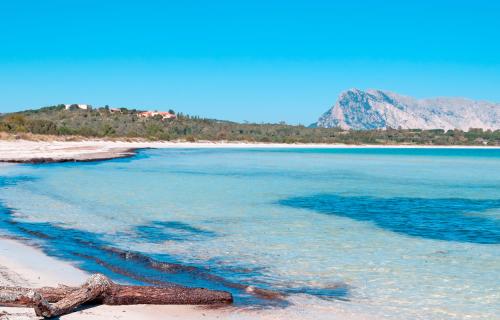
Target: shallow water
393,233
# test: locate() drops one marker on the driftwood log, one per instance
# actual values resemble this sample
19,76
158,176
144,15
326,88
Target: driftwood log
52,302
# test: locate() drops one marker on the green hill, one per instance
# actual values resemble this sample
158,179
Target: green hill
105,122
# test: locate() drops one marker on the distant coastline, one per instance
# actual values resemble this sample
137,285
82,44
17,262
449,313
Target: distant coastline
80,123
47,150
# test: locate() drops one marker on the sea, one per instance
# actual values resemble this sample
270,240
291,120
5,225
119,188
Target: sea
371,233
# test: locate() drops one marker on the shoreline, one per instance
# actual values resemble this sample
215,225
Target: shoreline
39,152
30,267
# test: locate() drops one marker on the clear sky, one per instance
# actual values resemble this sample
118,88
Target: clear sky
261,61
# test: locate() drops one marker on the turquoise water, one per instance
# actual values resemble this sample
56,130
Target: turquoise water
393,233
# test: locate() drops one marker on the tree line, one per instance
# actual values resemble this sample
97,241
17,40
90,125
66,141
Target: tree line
102,122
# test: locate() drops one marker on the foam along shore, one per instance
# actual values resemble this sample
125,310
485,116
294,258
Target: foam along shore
27,151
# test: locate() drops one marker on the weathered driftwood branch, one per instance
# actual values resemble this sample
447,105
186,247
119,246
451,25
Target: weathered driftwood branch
51,302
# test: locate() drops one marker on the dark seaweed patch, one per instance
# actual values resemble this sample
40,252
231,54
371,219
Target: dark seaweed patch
93,253
449,219
160,231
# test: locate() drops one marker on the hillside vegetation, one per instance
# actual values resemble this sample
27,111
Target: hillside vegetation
55,120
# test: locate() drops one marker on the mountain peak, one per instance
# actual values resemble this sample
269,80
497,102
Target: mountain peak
379,109
352,92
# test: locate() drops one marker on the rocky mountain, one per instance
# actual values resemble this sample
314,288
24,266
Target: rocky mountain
375,109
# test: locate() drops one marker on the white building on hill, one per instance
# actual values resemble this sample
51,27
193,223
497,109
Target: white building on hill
79,106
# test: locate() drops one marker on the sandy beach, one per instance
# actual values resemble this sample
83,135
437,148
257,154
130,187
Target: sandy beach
25,266
19,151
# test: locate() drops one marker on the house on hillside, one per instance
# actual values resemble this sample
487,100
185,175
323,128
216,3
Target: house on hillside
150,114
78,106
115,110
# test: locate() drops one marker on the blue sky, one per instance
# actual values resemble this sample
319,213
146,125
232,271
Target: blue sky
260,61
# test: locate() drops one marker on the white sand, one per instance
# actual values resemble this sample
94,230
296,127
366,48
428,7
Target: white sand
23,150
23,264
26,266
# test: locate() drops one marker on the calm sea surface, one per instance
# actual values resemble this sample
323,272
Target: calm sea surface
393,233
